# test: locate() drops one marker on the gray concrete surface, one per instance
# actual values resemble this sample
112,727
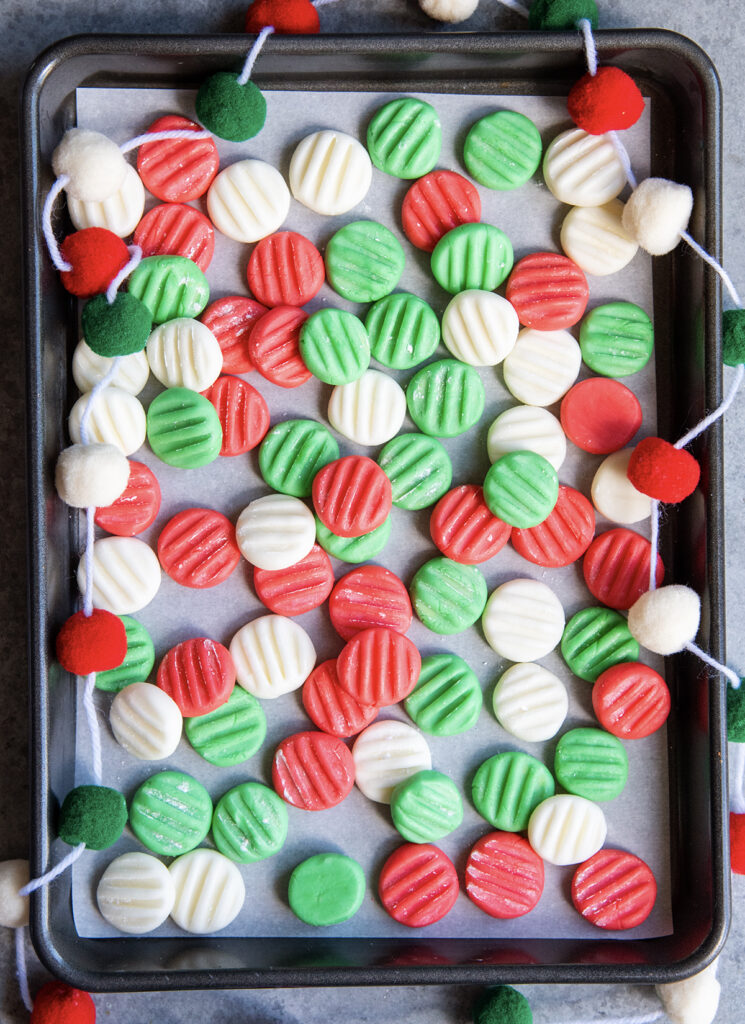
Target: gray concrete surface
26,27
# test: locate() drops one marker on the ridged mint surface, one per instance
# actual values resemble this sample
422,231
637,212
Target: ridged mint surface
595,639
183,428
445,398
138,661
472,256
591,763
521,488
508,787
231,733
354,549
447,698
503,150
364,261
403,330
419,469
616,339
170,287
291,454
250,823
404,138
448,597
426,807
334,346
170,813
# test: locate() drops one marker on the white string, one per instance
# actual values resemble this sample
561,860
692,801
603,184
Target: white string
736,758
102,383
654,540
90,525
514,5
591,53
707,658
718,412
716,266
254,53
135,253
46,223
90,714
646,1018
21,972
623,156
64,864
174,133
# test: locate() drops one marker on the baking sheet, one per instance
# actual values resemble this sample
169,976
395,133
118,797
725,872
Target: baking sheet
531,217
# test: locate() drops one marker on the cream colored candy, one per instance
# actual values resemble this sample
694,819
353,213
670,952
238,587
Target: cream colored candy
479,327
126,575
183,353
566,829
88,369
385,754
530,702
276,531
272,655
330,172
527,428
582,169
657,213
94,164
146,721
136,893
542,366
523,620
209,891
248,200
613,494
117,418
91,475
595,238
370,410
120,212
14,874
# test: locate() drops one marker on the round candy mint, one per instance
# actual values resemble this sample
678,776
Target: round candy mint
447,698
508,787
594,639
502,150
354,549
170,287
448,597
230,110
119,328
326,889
445,398
426,807
138,661
472,256
183,428
616,339
293,452
94,815
419,469
591,763
334,346
404,138
521,488
364,261
170,813
249,823
403,330
231,733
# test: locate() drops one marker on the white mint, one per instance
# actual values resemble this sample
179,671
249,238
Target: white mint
566,829
272,655
582,169
595,238
88,369
146,721
117,418
14,874
523,620
479,327
370,410
136,893
248,200
530,702
209,891
94,164
527,428
666,619
657,212
385,754
276,531
184,353
542,366
126,575
120,212
330,172
613,494
91,475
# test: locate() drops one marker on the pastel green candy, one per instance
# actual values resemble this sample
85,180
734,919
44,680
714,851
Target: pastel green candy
354,549
448,597
595,639
503,150
472,256
170,287
249,823
521,488
426,807
326,889
508,787
445,398
364,261
183,428
138,661
404,138
419,469
334,346
447,698
291,454
403,330
591,763
170,813
231,733
616,339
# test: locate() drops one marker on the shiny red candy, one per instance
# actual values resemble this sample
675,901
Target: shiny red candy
177,170
616,567
136,508
600,415
352,496
287,17
607,101
548,291
614,889
367,597
231,320
437,203
299,588
379,666
563,537
463,527
174,229
96,256
330,708
285,269
662,471
91,643
199,675
197,548
243,412
631,700
274,347
504,875
418,885
312,770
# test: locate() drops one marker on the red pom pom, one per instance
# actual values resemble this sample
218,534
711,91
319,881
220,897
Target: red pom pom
737,843
91,643
57,1003
287,17
96,256
662,471
606,102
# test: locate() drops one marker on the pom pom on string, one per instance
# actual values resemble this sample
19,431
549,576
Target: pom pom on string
91,474
57,1003
736,714
662,470
737,843
93,815
96,255
562,14
286,17
657,213
502,1005
607,101
93,163
666,620
13,906
118,328
91,643
451,11
231,106
694,1000
733,337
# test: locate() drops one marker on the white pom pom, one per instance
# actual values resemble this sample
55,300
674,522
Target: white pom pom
665,620
93,163
91,475
449,10
693,1001
657,212
14,874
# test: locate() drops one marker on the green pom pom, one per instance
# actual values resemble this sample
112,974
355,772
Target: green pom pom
116,329
733,337
502,1005
562,14
736,714
94,815
229,110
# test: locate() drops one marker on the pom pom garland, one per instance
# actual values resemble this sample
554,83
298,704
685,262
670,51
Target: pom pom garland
733,337
559,15
91,475
502,1005
14,874
91,643
666,620
57,1003
606,101
737,843
287,17
96,255
93,163
229,109
736,714
118,328
663,471
694,1000
657,213
94,815
451,11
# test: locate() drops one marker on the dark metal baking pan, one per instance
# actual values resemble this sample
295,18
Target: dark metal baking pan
685,147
